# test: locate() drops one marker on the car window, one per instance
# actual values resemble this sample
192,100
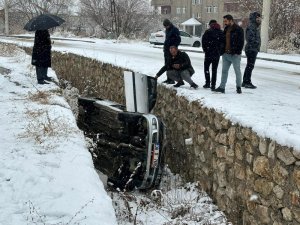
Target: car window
184,34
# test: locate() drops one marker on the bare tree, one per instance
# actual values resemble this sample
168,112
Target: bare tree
283,14
130,17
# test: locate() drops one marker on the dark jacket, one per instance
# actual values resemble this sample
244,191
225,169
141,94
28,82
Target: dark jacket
172,37
182,59
213,41
253,34
41,53
236,40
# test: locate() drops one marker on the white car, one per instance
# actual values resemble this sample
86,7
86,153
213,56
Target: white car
159,37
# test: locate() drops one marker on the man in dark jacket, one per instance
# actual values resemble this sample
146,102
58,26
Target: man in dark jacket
234,43
212,44
172,39
252,47
178,68
41,55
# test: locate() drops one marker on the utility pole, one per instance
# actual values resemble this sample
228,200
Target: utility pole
114,17
6,17
265,25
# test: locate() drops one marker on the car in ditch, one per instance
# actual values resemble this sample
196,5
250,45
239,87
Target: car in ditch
158,38
130,141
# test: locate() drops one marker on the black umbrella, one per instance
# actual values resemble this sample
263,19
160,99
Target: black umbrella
43,22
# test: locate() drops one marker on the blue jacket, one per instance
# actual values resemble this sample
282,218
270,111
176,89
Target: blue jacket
253,34
172,37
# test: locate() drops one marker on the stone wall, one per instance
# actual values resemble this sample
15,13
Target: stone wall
252,179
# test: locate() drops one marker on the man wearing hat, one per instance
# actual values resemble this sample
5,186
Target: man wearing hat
172,39
252,47
212,44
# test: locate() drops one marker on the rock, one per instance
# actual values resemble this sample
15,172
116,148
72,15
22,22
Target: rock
280,174
239,171
278,192
248,147
263,146
247,133
221,151
249,158
238,151
296,153
287,214
263,187
231,136
271,150
223,139
263,214
296,177
286,156
261,166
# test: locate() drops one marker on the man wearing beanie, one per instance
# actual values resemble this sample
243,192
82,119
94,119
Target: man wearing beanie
212,43
172,39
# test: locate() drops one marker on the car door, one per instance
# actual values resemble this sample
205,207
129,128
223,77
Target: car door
186,38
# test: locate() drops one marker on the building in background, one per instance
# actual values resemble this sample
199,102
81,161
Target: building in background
202,10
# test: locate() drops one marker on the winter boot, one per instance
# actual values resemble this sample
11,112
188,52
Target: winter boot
195,86
239,90
206,85
179,83
250,85
169,81
220,90
42,82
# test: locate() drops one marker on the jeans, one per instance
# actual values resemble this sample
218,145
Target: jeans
180,75
214,63
235,60
251,58
41,73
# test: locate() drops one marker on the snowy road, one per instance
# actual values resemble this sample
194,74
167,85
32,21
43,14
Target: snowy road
272,110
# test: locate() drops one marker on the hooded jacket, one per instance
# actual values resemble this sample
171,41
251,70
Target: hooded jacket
253,34
213,41
172,37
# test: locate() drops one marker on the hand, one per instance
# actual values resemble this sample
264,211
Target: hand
176,66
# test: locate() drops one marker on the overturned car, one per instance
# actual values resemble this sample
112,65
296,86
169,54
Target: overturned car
130,142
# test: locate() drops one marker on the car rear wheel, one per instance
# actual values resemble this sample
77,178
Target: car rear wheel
196,44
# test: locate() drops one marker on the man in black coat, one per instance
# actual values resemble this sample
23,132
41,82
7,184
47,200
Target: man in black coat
212,44
178,67
252,47
172,39
233,46
41,55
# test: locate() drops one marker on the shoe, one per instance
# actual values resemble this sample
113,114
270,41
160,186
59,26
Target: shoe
213,87
42,82
239,90
250,85
169,81
243,84
179,83
206,85
48,78
195,86
219,89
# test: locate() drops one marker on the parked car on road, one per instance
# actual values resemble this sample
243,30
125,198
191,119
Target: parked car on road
158,38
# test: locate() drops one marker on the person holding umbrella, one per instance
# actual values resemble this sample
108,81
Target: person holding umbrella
41,53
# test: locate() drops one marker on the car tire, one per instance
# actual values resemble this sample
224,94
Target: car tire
196,44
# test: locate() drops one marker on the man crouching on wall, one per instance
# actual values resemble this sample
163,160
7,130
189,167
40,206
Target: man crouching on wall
179,68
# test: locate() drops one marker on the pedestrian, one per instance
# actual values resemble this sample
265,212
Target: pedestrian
233,46
172,39
178,67
212,44
41,55
252,47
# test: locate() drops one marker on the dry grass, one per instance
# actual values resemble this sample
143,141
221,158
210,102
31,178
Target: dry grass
8,50
40,96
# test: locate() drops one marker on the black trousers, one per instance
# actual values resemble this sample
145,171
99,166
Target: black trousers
214,62
251,58
41,73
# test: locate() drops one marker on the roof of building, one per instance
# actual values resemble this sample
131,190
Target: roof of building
191,22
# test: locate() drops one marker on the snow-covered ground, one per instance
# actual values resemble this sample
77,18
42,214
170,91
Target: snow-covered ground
272,110
46,172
